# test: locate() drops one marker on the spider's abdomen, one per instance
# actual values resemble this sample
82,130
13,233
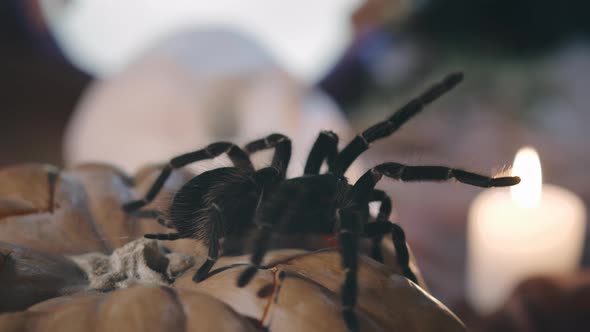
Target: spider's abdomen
233,191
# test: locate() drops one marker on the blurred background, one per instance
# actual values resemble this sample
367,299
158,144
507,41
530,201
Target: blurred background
136,82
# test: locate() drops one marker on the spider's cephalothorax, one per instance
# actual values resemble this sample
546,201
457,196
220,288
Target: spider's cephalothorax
235,200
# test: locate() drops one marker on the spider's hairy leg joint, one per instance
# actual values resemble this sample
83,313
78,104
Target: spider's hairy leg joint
365,140
330,134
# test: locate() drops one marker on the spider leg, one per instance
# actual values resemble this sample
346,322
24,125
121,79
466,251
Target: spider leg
239,158
398,237
385,207
153,214
349,224
383,129
214,234
325,147
260,248
164,236
280,209
365,185
282,154
384,212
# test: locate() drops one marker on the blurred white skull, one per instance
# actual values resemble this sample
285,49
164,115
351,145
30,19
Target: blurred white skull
193,89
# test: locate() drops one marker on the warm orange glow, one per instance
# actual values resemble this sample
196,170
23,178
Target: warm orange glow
528,166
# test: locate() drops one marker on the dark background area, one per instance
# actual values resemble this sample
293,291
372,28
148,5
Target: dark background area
523,28
38,88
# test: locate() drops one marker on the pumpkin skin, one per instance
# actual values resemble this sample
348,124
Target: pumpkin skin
137,308
53,214
308,298
295,291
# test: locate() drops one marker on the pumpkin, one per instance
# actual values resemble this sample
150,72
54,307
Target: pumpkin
68,248
129,309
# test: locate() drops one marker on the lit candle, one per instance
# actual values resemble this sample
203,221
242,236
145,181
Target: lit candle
531,229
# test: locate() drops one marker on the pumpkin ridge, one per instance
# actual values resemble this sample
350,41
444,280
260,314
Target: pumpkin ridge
178,303
89,217
52,177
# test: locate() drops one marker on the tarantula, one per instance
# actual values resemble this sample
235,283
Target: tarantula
232,200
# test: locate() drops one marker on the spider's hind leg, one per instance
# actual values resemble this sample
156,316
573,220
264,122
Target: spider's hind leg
214,234
238,157
366,184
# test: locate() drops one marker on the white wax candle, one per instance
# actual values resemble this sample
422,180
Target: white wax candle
509,240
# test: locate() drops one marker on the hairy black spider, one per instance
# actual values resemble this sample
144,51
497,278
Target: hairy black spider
231,200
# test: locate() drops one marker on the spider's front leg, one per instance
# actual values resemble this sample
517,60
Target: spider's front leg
365,186
385,128
278,208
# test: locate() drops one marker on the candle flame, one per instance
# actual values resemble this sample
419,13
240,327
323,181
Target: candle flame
528,166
